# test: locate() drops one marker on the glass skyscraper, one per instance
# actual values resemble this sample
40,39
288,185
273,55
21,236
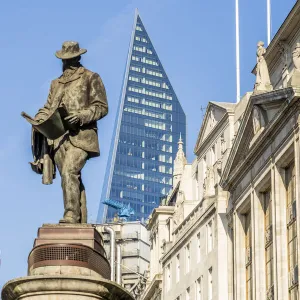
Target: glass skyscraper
148,125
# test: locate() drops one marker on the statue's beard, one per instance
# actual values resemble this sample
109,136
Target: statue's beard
71,64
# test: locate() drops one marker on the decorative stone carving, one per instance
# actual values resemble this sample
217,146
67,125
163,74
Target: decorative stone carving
258,119
285,55
223,144
269,235
263,82
295,80
209,182
219,166
296,57
212,118
178,214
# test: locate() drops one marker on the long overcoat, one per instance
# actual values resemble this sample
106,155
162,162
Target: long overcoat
82,92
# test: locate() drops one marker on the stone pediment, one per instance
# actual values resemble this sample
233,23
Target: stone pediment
259,113
215,111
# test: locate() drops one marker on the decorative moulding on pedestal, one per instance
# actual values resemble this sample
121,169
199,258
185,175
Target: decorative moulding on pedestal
63,287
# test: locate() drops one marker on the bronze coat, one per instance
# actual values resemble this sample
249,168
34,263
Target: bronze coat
83,92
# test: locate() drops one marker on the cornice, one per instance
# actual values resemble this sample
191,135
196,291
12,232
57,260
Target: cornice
205,119
161,209
276,124
155,283
211,209
221,124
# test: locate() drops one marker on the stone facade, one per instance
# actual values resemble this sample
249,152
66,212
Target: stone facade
189,232
262,175
229,229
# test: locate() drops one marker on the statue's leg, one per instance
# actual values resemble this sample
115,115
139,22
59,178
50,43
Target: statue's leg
83,207
71,164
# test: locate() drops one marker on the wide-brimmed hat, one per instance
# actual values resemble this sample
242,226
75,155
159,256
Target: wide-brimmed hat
70,50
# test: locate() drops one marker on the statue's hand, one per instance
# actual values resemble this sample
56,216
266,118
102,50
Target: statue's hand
39,120
73,118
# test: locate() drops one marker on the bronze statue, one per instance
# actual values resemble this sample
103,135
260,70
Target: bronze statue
81,94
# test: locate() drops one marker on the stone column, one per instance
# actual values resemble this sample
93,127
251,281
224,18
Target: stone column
258,242
230,255
239,257
221,244
279,233
297,173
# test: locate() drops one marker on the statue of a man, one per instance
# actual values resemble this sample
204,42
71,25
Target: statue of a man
263,82
82,94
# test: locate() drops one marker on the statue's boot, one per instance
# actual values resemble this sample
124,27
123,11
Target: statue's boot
68,218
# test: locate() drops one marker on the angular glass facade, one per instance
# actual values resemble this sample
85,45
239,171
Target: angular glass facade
147,129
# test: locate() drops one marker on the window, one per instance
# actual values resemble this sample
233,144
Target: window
292,232
132,99
248,256
268,240
140,49
209,236
136,69
136,58
210,284
177,267
198,248
132,78
149,61
153,73
168,277
149,92
187,258
187,297
139,28
198,289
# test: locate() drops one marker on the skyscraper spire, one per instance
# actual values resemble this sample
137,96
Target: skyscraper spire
139,170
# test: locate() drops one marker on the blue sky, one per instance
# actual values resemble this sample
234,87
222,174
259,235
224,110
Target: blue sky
195,42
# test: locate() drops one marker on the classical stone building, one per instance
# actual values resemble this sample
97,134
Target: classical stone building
262,174
188,232
229,228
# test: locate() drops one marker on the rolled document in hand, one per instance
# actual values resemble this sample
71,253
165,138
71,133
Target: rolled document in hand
53,127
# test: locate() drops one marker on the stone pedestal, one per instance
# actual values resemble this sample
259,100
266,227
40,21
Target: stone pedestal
295,79
67,261
262,88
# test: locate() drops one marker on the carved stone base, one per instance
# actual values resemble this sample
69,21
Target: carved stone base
295,80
